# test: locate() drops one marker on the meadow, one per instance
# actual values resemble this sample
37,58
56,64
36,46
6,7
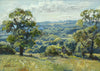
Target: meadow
38,62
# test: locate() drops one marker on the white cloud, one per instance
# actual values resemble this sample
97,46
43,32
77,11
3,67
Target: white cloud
58,10
59,6
48,10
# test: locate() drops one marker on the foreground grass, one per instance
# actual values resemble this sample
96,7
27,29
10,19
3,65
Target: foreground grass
38,63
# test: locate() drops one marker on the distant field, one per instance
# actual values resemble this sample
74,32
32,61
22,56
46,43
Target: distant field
41,63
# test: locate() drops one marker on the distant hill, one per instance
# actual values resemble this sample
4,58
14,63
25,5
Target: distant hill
57,22
56,28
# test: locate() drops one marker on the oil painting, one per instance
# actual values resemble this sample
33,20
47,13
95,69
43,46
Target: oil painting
49,35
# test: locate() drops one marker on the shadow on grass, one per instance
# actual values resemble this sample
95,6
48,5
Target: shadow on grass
32,56
89,58
50,57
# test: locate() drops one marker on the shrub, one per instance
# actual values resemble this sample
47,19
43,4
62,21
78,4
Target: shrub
65,51
42,49
5,48
28,51
53,50
71,44
36,50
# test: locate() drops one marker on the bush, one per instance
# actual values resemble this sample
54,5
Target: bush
28,51
53,50
39,49
71,44
42,49
36,50
5,48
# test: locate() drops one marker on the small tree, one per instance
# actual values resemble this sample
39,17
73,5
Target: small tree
22,28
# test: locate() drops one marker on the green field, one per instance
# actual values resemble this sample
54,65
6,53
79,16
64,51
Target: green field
41,63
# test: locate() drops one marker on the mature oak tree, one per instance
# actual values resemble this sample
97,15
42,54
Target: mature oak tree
22,27
90,23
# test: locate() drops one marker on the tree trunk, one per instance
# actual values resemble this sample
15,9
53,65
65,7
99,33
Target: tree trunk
21,51
91,49
83,54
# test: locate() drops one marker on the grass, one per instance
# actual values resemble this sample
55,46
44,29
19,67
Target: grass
41,63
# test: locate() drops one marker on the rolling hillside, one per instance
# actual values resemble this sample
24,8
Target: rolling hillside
55,28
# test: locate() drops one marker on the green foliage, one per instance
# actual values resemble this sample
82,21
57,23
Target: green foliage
6,48
87,36
97,39
11,39
80,22
89,17
17,44
56,41
91,29
71,45
53,50
9,25
36,50
80,36
20,12
23,28
84,35
28,50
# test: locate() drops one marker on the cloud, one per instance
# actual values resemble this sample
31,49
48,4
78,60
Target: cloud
58,10
59,6
48,10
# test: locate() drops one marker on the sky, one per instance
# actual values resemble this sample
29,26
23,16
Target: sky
49,10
